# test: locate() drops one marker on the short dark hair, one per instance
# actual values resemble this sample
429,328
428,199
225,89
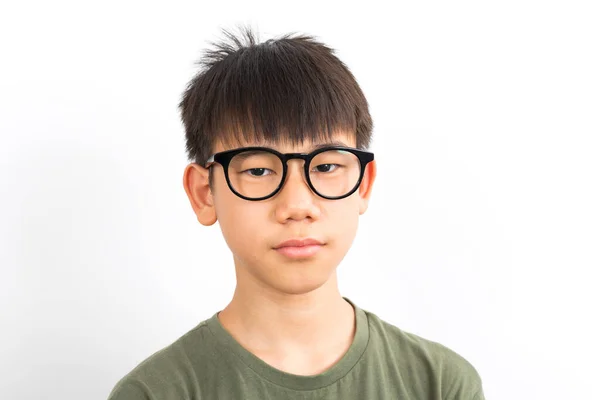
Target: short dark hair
289,88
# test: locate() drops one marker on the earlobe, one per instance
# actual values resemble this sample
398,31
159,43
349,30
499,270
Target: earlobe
366,186
197,188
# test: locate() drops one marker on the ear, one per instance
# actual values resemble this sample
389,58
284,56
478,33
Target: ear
196,185
366,186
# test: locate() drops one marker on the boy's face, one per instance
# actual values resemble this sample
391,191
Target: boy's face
254,230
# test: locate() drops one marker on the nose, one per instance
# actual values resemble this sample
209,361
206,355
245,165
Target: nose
296,201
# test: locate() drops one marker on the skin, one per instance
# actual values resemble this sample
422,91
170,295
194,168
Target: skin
287,312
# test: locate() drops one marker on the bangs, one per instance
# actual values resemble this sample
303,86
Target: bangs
263,125
272,100
289,90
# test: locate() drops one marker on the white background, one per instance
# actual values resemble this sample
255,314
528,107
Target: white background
483,231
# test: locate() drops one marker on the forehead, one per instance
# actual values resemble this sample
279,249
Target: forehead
287,146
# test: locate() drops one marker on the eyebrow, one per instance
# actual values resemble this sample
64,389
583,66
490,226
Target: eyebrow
315,147
334,143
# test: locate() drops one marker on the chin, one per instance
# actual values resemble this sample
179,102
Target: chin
300,282
292,277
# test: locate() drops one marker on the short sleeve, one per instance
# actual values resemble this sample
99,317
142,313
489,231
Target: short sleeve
460,379
479,395
129,390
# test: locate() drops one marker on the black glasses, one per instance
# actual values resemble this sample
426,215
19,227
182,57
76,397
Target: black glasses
257,173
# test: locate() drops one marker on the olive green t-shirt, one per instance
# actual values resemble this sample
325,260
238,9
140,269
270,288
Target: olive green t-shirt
383,362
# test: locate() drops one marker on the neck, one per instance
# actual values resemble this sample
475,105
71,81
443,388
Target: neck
318,324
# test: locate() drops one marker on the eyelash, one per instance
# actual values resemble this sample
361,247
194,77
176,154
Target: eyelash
247,171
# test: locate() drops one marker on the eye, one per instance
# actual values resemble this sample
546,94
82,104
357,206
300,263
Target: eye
258,172
326,167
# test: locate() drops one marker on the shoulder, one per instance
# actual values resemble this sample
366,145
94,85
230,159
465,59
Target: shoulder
166,372
453,374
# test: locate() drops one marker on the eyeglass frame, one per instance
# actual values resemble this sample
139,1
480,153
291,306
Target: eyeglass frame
224,158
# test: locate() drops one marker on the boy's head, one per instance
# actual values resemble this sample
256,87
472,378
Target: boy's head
288,95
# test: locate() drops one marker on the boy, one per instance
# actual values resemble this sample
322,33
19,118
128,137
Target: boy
277,132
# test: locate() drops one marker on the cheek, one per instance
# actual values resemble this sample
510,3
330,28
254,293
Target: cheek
233,213
342,217
241,222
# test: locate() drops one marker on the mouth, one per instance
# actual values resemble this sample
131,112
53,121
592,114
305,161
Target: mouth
299,248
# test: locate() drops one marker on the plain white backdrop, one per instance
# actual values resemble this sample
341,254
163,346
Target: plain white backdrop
483,231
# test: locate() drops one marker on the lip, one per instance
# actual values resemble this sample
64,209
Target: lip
299,248
299,243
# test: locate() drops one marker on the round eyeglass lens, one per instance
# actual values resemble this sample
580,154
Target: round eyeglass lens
255,174
334,173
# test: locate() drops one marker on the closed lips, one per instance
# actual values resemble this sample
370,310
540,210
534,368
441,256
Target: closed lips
299,243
